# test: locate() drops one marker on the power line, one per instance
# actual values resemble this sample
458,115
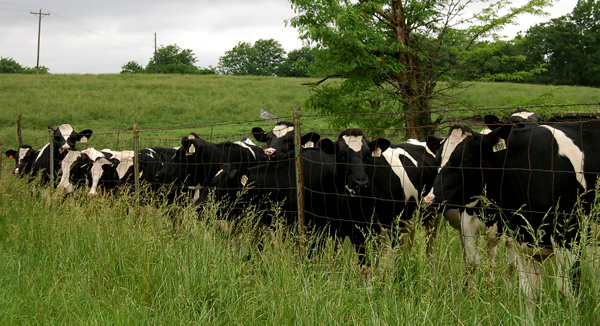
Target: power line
39,15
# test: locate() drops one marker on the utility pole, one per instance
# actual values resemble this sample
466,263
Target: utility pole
40,15
155,62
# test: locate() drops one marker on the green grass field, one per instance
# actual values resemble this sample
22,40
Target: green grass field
101,261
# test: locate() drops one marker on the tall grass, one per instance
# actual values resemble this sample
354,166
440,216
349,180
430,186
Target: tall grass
78,260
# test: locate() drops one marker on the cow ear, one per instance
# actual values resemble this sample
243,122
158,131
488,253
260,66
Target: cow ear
310,139
259,134
11,153
492,121
551,119
326,146
434,143
379,146
84,135
497,139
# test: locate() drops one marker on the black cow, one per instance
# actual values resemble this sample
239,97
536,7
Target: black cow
24,159
65,139
280,140
334,173
197,161
534,177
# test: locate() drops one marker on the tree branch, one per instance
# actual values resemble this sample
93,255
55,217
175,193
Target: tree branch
322,80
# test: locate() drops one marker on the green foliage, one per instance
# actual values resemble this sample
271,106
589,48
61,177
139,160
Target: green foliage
10,66
132,67
170,59
297,63
261,59
393,54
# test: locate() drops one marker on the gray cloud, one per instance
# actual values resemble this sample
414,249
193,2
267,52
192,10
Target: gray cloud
91,36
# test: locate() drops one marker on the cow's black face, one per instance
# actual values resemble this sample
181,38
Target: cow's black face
65,137
459,179
23,159
353,152
279,141
186,163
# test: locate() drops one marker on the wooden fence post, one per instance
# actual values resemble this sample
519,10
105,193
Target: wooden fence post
51,159
1,152
299,175
136,165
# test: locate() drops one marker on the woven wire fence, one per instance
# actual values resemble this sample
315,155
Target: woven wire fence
382,201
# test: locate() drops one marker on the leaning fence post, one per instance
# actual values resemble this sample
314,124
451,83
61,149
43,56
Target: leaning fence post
212,127
1,145
136,165
299,175
51,159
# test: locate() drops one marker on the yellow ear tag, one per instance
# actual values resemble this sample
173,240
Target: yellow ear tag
244,180
83,139
191,150
500,145
309,144
376,152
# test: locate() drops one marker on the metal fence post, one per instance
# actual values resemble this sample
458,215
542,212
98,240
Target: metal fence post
136,165
51,159
299,175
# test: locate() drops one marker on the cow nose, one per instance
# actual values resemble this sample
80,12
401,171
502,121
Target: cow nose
270,151
360,183
430,203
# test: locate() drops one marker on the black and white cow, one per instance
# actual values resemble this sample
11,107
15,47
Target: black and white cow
400,175
65,139
151,160
197,161
280,140
91,167
24,159
534,177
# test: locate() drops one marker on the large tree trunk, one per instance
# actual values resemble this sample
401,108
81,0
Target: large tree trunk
410,81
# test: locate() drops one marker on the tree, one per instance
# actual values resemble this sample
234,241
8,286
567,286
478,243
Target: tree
297,63
171,59
261,59
10,66
394,54
132,67
568,46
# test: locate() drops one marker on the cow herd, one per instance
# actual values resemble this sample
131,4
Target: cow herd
523,177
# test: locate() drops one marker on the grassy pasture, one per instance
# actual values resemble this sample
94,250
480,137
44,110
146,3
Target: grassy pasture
111,104
79,260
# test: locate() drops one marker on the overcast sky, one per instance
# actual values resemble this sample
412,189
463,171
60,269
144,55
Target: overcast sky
99,36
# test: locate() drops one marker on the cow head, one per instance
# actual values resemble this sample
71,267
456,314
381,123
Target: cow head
186,162
65,137
463,158
279,140
24,157
353,151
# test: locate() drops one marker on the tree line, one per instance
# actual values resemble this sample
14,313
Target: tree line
408,57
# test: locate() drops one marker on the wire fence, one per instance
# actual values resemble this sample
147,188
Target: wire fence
344,189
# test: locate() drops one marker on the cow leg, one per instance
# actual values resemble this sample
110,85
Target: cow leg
565,260
530,277
511,255
65,166
470,228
